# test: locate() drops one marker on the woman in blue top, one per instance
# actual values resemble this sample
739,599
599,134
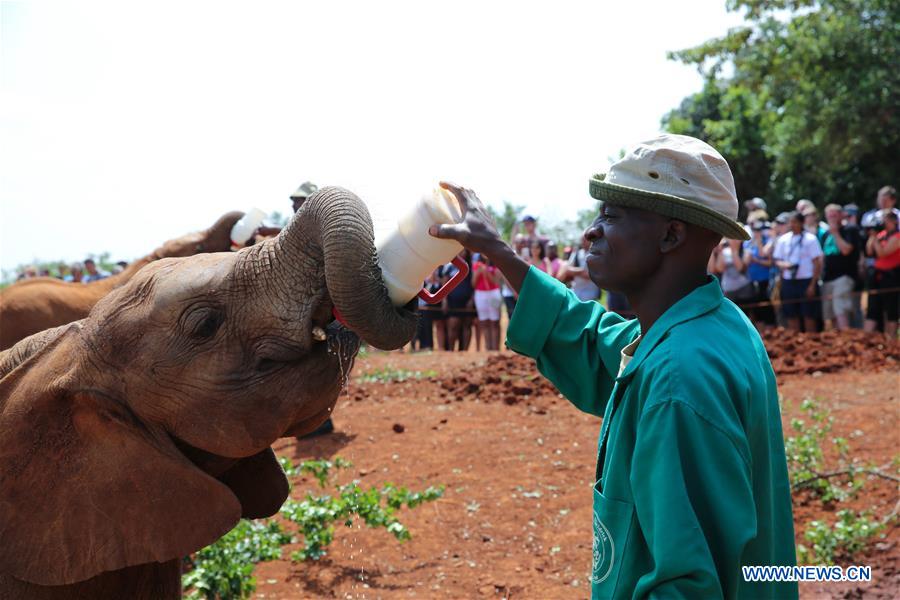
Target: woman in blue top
757,255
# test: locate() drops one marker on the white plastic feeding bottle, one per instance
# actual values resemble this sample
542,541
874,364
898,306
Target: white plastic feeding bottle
245,227
408,254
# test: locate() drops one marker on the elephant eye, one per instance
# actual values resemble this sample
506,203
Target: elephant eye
205,322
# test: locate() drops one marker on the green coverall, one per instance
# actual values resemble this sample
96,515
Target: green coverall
691,474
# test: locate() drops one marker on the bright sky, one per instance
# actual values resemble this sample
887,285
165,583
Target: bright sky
127,124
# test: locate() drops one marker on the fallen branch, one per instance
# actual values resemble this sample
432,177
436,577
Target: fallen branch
892,514
851,471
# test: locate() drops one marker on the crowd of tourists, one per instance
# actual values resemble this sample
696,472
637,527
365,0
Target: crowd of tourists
802,270
76,272
808,270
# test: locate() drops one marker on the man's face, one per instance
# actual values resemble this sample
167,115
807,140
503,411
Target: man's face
885,200
834,217
530,226
90,267
624,247
797,225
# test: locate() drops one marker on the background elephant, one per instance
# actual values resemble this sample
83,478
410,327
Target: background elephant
142,433
44,302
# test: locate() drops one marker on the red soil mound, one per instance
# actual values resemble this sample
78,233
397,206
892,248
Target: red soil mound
830,351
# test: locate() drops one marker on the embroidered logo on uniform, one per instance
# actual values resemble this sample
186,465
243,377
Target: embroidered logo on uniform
604,552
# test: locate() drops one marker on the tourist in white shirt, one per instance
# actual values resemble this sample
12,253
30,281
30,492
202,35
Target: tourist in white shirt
798,255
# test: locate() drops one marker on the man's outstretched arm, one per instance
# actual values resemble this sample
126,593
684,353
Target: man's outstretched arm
576,344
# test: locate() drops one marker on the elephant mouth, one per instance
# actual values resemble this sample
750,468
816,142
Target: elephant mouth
307,425
257,481
211,464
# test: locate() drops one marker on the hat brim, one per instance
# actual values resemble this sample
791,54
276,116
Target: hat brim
674,207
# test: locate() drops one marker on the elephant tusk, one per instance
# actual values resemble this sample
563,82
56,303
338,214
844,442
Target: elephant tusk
318,334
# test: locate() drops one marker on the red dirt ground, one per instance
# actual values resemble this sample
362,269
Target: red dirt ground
517,461
829,351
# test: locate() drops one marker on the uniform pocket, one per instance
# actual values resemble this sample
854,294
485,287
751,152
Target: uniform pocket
612,526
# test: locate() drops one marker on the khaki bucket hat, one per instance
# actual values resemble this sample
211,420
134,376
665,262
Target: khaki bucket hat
306,189
677,176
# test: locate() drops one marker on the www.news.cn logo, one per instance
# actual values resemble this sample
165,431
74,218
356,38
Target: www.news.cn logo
807,573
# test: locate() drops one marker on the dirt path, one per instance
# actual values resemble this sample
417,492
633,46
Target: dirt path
517,462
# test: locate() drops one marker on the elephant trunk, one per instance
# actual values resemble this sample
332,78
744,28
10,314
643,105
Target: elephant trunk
336,221
218,237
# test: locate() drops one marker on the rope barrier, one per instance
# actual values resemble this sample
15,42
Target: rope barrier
813,299
437,308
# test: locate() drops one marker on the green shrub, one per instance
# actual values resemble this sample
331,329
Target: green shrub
316,515
225,569
849,535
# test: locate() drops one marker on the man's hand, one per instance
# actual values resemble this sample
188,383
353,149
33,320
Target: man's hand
811,290
478,233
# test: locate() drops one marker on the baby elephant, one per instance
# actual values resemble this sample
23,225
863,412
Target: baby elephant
33,305
142,433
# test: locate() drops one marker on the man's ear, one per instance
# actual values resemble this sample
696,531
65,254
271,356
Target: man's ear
674,235
85,487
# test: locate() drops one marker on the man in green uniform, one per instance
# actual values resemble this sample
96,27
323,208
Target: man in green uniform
691,475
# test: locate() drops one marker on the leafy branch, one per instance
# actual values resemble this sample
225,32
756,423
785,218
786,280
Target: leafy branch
850,471
851,531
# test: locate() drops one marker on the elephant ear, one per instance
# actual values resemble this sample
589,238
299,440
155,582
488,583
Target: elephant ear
84,486
21,351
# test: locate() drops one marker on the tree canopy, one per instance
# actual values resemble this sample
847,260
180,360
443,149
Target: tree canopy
802,100
506,218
